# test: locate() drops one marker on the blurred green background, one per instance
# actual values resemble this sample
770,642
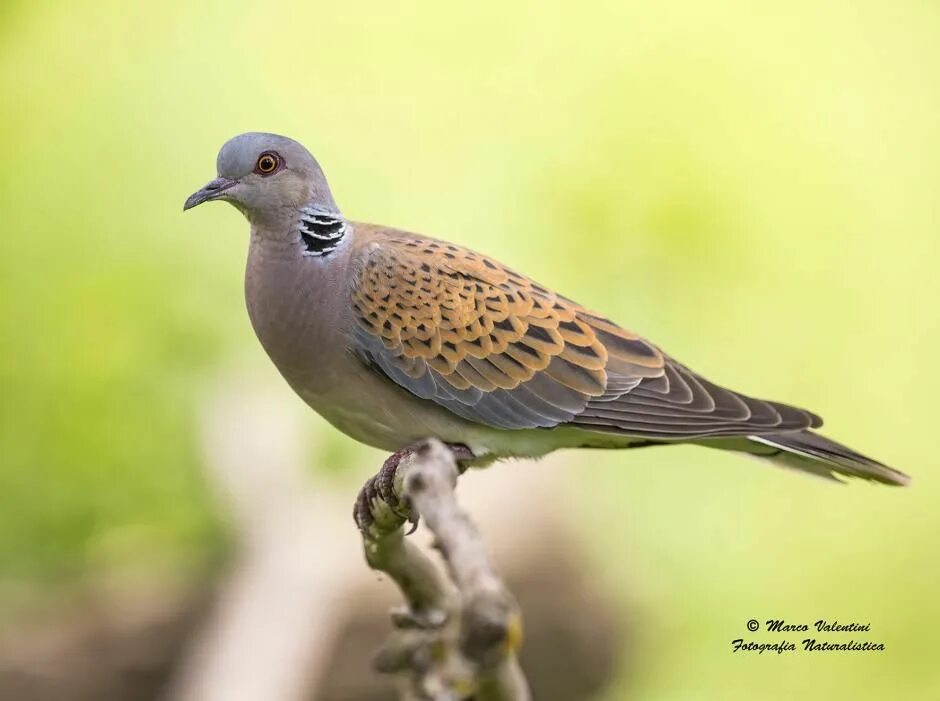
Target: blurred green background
755,187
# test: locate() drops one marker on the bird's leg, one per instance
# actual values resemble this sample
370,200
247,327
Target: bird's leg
382,485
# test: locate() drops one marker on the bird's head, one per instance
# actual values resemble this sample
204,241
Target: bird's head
264,175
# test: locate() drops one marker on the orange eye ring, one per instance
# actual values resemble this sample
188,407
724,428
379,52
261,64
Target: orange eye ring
268,162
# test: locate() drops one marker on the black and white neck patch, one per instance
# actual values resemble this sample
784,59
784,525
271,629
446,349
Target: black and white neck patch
320,230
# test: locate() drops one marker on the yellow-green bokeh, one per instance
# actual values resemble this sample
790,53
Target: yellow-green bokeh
754,186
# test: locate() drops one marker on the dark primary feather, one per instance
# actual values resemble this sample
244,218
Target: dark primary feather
682,405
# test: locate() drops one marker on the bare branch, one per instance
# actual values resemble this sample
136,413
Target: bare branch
453,640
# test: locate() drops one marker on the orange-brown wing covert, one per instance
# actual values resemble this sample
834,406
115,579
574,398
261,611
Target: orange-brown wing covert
462,330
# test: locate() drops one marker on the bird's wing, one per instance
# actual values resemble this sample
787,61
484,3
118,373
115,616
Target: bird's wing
457,328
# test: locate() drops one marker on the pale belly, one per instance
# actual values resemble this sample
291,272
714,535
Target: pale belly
371,409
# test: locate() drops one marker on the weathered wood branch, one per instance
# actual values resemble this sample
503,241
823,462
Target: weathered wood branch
456,638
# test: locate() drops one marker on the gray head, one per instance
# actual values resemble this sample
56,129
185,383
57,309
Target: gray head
265,174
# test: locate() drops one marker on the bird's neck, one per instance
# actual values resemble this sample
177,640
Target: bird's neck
316,229
296,296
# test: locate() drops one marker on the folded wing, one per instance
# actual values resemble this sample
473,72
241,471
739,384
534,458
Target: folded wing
457,328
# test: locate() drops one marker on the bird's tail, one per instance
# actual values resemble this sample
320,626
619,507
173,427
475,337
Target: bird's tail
809,452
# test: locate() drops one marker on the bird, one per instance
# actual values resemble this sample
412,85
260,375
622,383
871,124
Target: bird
395,337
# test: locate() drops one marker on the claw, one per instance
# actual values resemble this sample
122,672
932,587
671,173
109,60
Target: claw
414,519
382,485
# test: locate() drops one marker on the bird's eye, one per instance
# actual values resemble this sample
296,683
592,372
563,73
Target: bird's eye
267,163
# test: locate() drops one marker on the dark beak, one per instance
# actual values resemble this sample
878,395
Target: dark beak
212,190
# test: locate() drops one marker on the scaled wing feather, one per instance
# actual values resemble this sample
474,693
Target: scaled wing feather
457,328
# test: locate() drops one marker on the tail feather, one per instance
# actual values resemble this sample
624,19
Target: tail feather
810,452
